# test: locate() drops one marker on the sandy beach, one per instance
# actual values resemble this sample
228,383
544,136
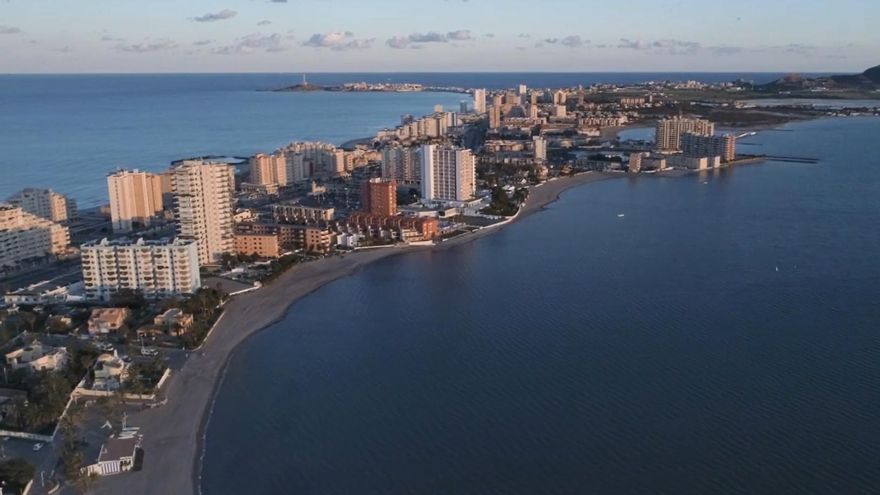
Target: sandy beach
174,433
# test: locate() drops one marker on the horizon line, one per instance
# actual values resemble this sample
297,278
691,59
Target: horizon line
96,73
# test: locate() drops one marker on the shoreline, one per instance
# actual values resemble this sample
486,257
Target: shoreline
175,434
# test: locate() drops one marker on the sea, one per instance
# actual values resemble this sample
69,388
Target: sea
710,333
68,132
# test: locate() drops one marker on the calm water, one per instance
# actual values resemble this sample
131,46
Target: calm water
68,131
723,337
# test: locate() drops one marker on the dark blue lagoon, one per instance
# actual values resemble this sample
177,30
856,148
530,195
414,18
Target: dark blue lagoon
721,337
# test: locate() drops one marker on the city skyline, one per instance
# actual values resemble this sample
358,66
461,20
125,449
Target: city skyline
454,35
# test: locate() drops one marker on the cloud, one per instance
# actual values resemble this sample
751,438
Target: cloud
573,41
338,41
489,35
328,40
431,37
146,47
398,42
460,35
629,44
107,37
725,50
252,43
9,30
63,49
217,16
799,49
264,23
202,42
551,41
277,1
523,35
668,46
676,47
416,40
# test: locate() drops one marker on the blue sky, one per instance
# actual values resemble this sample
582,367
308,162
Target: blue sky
442,35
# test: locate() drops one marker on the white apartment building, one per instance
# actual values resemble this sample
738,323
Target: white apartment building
448,173
155,268
44,203
25,236
135,199
540,145
669,131
204,201
479,101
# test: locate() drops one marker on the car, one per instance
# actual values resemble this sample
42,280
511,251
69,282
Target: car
38,446
148,352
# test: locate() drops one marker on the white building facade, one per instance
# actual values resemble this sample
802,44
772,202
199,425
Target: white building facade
155,268
448,173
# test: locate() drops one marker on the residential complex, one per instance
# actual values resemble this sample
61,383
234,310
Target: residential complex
448,173
401,163
204,197
379,197
270,170
45,203
709,146
669,131
299,213
136,199
155,268
25,236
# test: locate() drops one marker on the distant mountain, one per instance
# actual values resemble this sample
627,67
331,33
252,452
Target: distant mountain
795,82
873,74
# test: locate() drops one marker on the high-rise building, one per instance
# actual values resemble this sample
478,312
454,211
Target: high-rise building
479,101
154,268
494,117
698,145
401,163
448,173
540,145
25,236
522,89
204,201
560,111
635,162
379,197
669,131
560,97
270,170
533,111
45,203
135,198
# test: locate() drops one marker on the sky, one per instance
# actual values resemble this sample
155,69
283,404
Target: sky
75,36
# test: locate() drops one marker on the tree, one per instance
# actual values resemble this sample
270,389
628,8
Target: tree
15,474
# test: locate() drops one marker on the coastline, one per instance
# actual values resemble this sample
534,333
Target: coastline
174,434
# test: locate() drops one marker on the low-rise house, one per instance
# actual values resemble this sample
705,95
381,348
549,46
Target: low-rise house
107,320
175,321
117,455
150,331
110,372
38,357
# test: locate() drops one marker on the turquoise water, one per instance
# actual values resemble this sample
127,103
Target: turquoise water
722,337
